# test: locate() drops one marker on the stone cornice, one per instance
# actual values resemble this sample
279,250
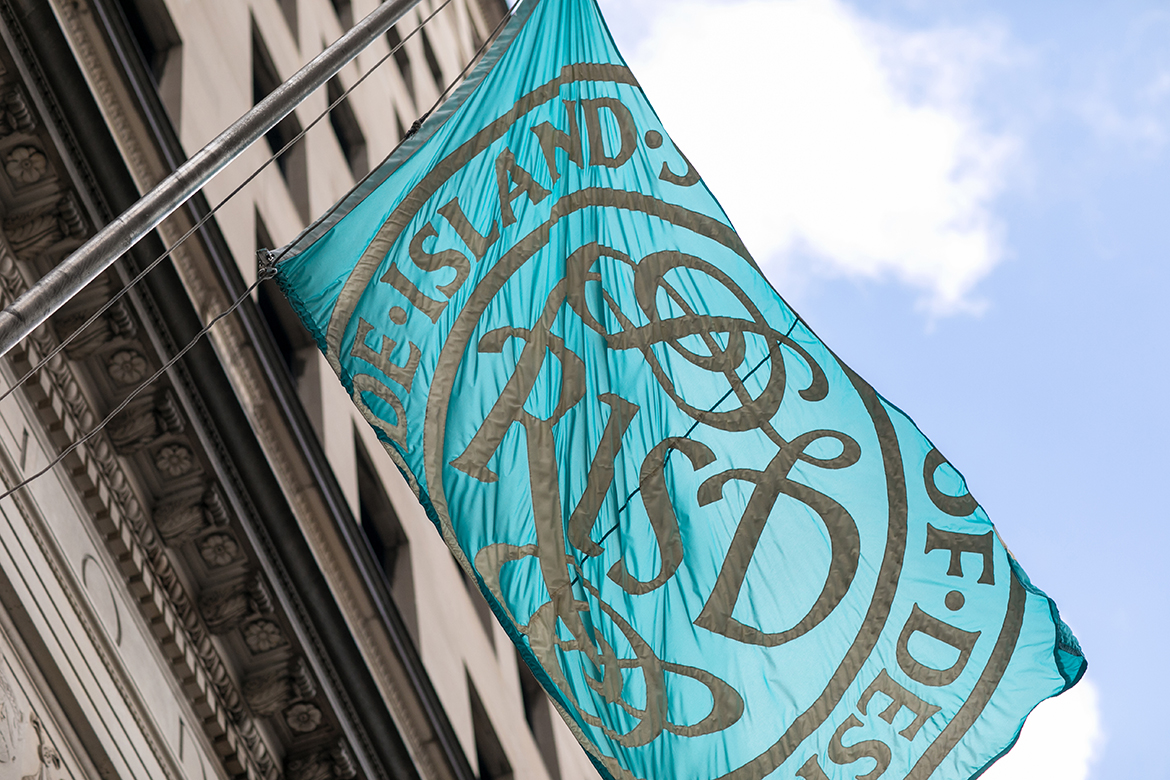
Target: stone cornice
165,495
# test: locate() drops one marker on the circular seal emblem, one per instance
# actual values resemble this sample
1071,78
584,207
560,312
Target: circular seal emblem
696,523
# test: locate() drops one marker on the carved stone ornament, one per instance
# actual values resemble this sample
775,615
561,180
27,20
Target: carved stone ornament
33,231
127,367
230,605
11,725
219,549
262,636
303,718
174,460
270,691
16,753
25,165
116,322
97,471
335,763
225,607
48,756
144,422
15,116
181,519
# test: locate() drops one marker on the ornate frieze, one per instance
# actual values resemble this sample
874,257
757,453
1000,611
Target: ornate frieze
25,165
24,741
263,635
227,606
127,367
332,763
180,519
272,690
303,718
15,114
102,478
34,231
186,562
145,421
115,325
48,759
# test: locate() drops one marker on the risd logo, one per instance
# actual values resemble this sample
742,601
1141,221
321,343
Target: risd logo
700,523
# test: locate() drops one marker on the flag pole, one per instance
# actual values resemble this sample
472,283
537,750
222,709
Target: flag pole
97,254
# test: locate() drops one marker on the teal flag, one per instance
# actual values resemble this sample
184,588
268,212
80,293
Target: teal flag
722,553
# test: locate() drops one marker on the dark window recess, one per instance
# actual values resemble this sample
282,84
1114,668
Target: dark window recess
344,11
489,754
292,164
159,46
482,610
476,40
432,61
538,712
493,11
401,59
289,9
381,527
345,127
283,323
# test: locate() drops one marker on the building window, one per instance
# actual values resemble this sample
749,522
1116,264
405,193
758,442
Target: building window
382,529
344,11
401,60
493,11
432,61
489,753
482,610
160,48
345,127
539,713
289,9
292,164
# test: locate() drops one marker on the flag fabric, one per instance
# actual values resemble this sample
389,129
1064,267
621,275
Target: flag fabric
722,553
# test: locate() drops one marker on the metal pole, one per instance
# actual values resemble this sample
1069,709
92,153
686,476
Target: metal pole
115,239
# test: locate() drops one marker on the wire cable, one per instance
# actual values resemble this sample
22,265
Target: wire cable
618,514
211,213
265,273
137,391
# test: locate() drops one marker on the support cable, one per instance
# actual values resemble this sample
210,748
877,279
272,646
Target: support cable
137,391
265,273
206,217
772,353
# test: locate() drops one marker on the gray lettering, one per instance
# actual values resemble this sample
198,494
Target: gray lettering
433,261
380,359
920,622
900,699
424,303
842,754
476,242
957,544
552,138
513,181
625,120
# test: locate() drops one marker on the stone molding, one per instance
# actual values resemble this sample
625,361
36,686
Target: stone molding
115,475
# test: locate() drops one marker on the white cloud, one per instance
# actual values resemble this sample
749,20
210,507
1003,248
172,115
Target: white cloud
1059,740
834,137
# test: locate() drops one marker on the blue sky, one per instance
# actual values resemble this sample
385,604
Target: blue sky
968,202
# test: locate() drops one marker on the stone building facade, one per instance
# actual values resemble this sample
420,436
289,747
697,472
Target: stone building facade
230,579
